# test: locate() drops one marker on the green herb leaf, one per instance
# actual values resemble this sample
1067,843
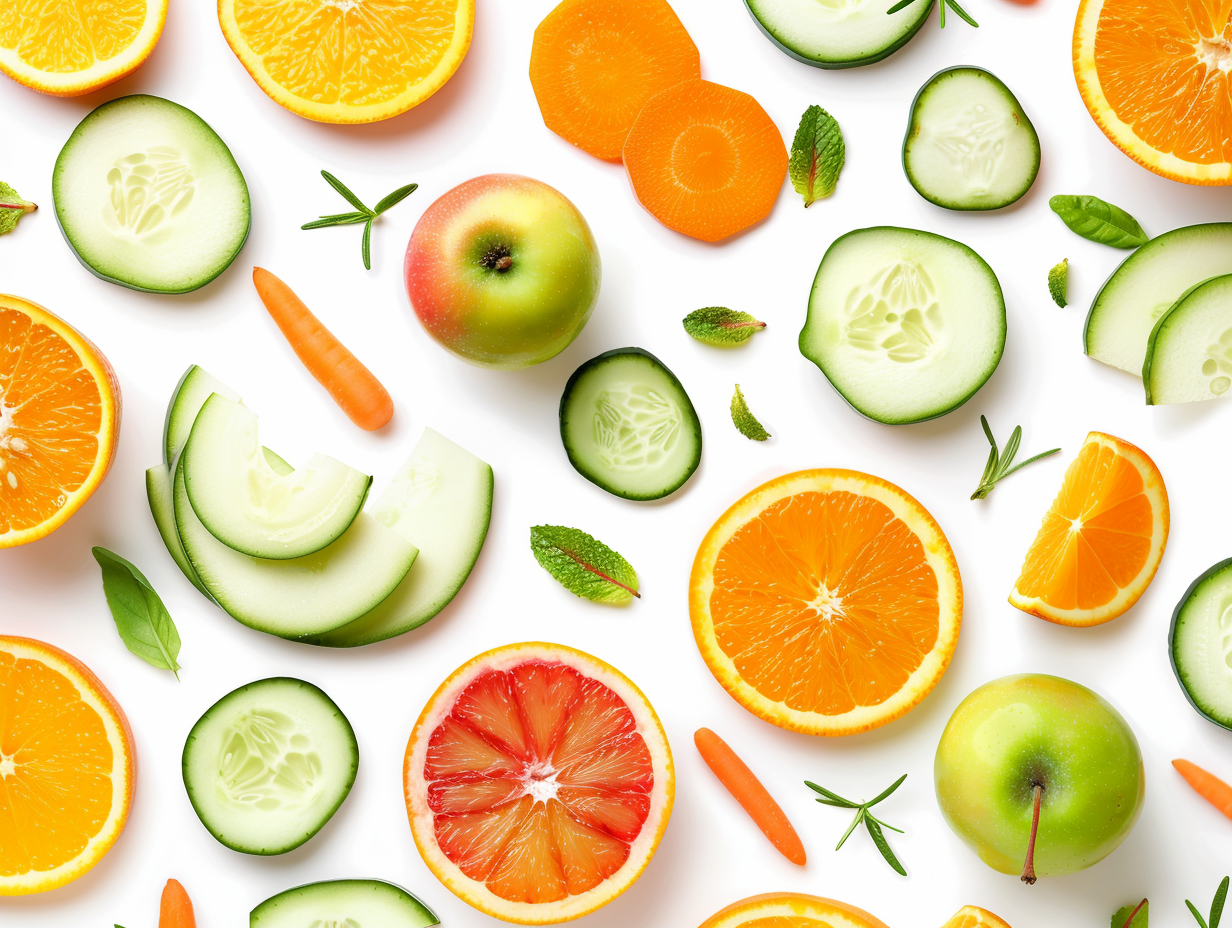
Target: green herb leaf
12,208
584,565
718,325
395,198
953,4
337,219
817,155
1058,283
744,421
1131,916
1217,904
345,191
142,620
863,815
879,839
1001,464
362,213
1099,221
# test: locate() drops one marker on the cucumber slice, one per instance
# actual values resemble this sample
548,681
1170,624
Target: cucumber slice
905,325
300,596
269,764
628,426
1200,644
343,904
969,145
1146,285
838,33
148,196
247,505
190,395
441,502
1189,353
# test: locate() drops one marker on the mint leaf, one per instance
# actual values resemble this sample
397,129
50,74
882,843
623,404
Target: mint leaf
817,155
12,208
718,325
583,565
1058,283
142,620
1099,221
744,420
1131,916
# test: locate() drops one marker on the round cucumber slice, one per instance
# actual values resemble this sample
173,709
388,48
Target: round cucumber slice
969,145
149,197
194,388
269,764
343,904
1146,285
628,426
905,325
1189,353
1200,644
838,33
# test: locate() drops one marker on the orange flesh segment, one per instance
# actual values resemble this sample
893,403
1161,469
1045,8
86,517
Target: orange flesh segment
63,37
785,921
595,63
780,578
538,782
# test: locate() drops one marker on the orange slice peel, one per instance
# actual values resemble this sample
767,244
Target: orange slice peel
791,910
972,916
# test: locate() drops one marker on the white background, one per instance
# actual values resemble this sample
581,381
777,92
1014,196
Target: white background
485,120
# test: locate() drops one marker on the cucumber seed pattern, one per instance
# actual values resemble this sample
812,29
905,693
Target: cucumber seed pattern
896,314
974,141
1217,366
150,187
267,764
635,426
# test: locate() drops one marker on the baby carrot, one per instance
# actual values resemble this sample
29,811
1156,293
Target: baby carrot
354,389
175,910
740,781
1207,785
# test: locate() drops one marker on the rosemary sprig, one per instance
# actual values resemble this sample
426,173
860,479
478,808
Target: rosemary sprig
952,4
871,823
361,214
999,465
1221,896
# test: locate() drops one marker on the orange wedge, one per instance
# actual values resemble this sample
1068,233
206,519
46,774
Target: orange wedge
972,916
791,910
538,783
67,768
826,601
1155,76
67,49
1102,540
346,61
59,421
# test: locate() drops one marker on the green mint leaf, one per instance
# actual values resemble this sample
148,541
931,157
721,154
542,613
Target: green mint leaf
583,565
744,421
12,208
1131,916
395,198
1058,283
142,620
817,155
1099,221
718,325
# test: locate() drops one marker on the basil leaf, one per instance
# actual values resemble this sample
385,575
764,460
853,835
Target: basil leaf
142,620
817,155
744,421
1058,283
718,325
584,565
1099,221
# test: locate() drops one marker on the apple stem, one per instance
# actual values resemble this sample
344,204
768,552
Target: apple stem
1028,868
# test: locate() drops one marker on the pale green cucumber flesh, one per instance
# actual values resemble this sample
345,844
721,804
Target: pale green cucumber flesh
838,33
1189,353
343,904
1200,644
189,396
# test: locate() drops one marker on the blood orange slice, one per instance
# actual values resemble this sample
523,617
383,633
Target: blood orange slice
538,783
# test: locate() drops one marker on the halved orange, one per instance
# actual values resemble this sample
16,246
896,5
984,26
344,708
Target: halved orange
791,910
538,783
68,49
67,768
59,420
347,61
972,916
826,601
1102,539
1155,76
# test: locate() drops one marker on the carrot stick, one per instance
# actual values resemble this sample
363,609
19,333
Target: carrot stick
740,781
354,389
1207,785
175,910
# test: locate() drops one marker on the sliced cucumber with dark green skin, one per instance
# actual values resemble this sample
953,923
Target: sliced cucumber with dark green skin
187,399
905,325
343,904
969,145
1200,644
269,764
628,425
838,33
1189,353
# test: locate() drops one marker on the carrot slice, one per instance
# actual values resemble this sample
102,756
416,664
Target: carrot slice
705,160
175,909
595,63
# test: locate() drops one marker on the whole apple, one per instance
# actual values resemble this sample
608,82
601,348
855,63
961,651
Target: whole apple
503,271
1030,739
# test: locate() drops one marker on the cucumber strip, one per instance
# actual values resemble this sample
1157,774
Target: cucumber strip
269,764
1200,644
905,325
1189,353
189,396
343,904
838,33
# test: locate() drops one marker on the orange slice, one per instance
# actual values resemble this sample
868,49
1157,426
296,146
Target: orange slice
1155,76
59,420
826,601
1102,540
67,768
791,910
972,916
346,61
538,783
66,48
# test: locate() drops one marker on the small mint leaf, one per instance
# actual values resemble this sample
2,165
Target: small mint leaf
817,155
1058,283
1131,916
745,422
718,325
583,565
12,208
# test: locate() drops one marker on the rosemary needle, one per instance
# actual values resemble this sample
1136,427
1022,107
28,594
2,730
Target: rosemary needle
361,214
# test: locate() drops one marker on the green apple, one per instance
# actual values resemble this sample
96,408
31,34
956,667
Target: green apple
1039,748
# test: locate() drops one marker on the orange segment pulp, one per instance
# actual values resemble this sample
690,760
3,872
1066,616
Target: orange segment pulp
538,783
972,916
791,910
826,602
59,421
349,62
1155,76
67,768
1101,541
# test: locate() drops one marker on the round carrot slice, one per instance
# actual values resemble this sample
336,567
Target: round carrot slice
595,63
705,160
